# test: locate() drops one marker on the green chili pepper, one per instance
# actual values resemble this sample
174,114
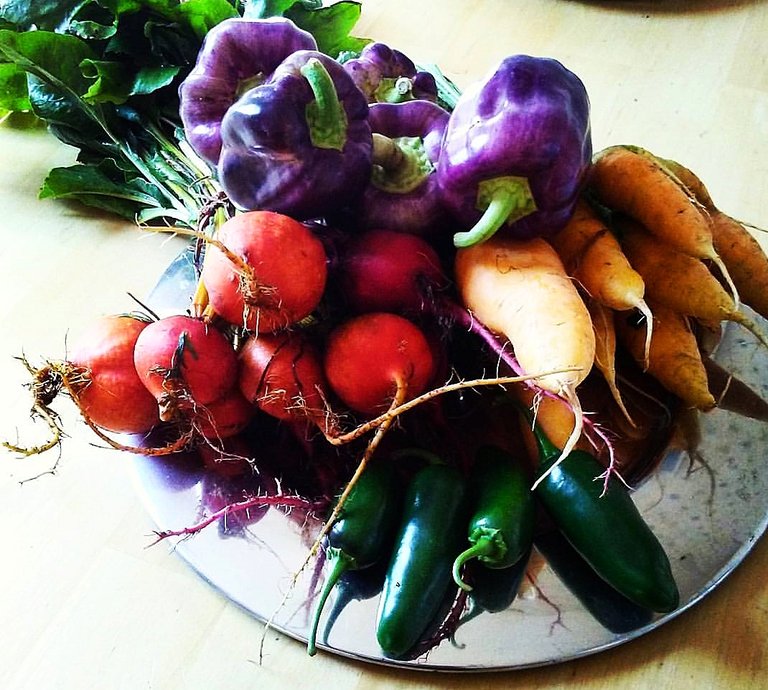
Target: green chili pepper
361,535
419,575
605,527
608,607
501,528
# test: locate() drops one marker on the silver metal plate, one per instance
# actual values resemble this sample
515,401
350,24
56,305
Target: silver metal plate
708,509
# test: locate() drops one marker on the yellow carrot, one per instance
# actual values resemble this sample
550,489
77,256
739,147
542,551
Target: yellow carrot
675,361
605,350
679,281
635,182
519,289
593,256
741,253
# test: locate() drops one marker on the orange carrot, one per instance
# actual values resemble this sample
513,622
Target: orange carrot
593,256
675,361
679,281
605,349
741,253
519,289
633,181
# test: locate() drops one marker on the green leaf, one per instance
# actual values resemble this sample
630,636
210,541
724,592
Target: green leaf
13,89
202,15
115,82
102,186
48,15
55,80
112,81
331,25
261,9
150,79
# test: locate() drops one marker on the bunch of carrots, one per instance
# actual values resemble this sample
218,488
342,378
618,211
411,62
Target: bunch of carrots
647,262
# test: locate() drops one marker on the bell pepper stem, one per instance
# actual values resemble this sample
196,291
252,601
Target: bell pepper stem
325,114
502,200
340,563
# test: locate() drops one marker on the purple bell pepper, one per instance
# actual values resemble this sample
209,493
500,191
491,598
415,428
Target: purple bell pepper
300,143
516,151
403,194
236,55
386,75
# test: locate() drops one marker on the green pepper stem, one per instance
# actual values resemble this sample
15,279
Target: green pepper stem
325,114
400,165
340,563
502,200
485,546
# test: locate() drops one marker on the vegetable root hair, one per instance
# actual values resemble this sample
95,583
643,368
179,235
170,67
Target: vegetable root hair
54,377
632,180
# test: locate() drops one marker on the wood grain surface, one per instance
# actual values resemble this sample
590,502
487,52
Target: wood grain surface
84,604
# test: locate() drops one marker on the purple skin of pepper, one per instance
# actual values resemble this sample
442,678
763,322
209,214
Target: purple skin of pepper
269,159
413,207
384,74
236,54
528,119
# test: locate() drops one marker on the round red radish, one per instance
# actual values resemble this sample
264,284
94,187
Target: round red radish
108,389
283,375
277,278
224,417
382,270
369,356
184,362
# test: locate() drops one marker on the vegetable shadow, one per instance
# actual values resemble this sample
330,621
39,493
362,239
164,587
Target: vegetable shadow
681,7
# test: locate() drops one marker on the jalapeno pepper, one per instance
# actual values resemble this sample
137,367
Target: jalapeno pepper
359,538
501,528
419,575
608,607
605,527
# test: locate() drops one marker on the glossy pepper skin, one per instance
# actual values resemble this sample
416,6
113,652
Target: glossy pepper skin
363,532
419,574
606,529
236,55
500,529
386,75
516,151
403,194
300,143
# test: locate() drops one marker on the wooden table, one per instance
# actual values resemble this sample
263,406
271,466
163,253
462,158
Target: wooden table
83,602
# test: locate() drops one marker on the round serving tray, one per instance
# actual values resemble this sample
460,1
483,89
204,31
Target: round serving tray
707,507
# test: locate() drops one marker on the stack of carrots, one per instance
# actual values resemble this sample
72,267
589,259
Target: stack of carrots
654,262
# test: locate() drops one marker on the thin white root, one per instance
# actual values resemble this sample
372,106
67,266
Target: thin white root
645,310
569,394
727,276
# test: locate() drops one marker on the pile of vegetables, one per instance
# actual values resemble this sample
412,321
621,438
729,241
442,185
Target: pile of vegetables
370,244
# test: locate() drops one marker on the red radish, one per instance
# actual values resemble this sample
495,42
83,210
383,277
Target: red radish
265,271
283,375
383,270
184,363
375,358
104,381
224,417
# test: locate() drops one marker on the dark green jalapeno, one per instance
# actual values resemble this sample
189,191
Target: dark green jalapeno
419,575
500,530
608,607
605,527
363,532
